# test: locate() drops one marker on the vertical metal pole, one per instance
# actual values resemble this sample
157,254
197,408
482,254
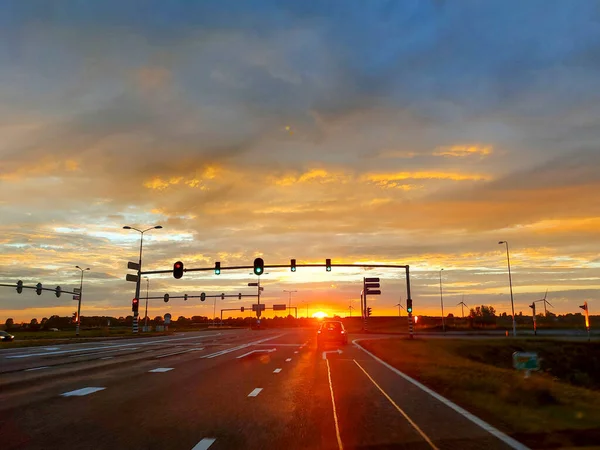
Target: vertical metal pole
512,301
364,295
147,288
258,296
137,284
442,303
215,310
408,300
79,305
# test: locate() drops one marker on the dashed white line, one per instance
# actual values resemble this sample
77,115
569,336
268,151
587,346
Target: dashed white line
36,368
108,357
296,351
160,370
82,392
255,392
288,360
101,353
277,371
181,352
204,444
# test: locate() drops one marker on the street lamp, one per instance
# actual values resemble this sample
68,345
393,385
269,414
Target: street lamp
147,289
137,284
290,298
79,302
442,302
512,301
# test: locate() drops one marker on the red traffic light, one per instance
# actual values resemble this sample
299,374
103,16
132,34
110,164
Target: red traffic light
178,270
135,304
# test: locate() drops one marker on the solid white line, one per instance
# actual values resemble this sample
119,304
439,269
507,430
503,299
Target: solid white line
239,347
179,353
108,357
204,444
288,360
255,392
28,355
278,345
256,351
400,410
36,368
160,370
277,371
335,418
466,414
82,392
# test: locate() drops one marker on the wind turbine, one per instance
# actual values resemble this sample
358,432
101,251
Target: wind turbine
462,306
545,302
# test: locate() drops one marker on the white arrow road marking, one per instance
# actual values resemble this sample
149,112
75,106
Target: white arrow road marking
277,371
179,353
257,351
338,351
204,444
82,392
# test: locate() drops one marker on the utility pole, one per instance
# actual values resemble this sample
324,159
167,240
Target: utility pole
512,300
77,326
442,302
147,289
290,298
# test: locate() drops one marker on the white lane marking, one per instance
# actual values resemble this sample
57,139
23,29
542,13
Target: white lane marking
400,410
335,418
161,341
108,357
51,348
181,352
239,347
82,392
277,371
102,353
204,444
466,414
255,392
278,345
288,360
338,351
160,370
36,368
257,351
296,351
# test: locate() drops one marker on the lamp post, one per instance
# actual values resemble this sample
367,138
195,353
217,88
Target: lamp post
442,302
77,326
147,289
290,298
137,284
512,301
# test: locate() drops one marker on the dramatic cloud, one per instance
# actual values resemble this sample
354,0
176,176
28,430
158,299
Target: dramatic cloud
419,132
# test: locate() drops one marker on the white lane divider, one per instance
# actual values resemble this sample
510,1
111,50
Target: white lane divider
102,353
288,360
335,416
82,392
255,392
204,444
239,347
277,371
160,341
160,370
257,351
36,368
181,352
108,357
296,351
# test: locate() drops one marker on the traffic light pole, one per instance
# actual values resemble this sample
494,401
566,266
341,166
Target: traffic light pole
77,327
409,303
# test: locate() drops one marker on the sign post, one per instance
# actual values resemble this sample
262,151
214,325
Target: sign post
587,318
370,287
526,361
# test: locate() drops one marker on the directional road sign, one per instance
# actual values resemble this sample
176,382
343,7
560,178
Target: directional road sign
131,277
257,307
133,265
279,307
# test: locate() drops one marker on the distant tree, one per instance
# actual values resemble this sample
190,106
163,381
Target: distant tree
34,325
483,315
9,324
158,320
450,316
44,323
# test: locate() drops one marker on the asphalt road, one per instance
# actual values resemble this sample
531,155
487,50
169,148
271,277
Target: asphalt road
230,389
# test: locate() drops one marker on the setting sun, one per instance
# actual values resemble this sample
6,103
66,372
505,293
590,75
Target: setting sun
319,315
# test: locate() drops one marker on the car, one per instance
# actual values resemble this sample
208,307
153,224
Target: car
6,337
332,331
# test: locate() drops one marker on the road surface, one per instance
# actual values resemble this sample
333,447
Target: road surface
229,389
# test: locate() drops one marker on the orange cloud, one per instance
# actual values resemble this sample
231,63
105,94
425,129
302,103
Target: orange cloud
386,178
464,150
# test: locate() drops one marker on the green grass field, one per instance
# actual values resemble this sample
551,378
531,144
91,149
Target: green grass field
555,408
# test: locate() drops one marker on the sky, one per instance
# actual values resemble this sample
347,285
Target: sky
414,132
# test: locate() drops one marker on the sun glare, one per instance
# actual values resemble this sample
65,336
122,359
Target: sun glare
319,315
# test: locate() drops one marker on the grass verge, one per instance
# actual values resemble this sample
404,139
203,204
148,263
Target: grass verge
541,411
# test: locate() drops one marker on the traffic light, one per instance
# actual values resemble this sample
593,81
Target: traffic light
217,268
409,305
58,291
38,289
185,297
328,265
222,296
135,305
369,311
19,286
293,265
240,296
202,297
166,298
178,270
259,266
242,309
